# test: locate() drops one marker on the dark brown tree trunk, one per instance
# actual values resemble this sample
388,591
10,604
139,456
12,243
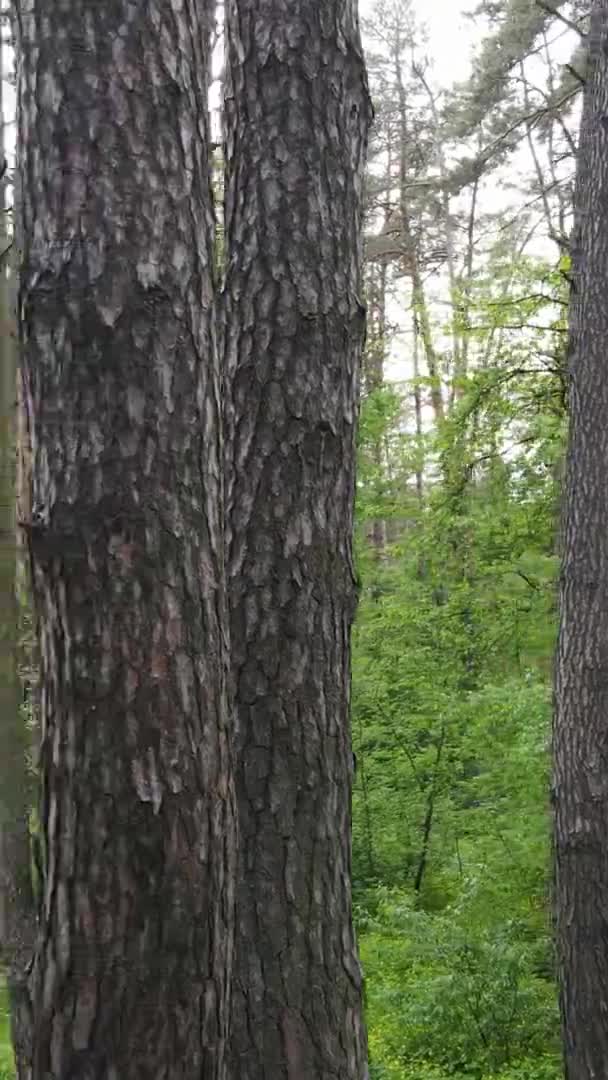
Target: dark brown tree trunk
121,385
297,113
581,731
17,912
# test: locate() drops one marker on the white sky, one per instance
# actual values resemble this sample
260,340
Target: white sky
451,35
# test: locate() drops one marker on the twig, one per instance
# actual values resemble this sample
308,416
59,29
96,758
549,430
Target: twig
562,18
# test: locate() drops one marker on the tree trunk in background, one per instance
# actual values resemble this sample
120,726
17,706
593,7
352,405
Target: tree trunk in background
412,261
373,378
467,282
418,415
121,385
458,370
297,113
580,738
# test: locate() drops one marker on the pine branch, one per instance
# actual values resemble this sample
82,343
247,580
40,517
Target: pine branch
562,18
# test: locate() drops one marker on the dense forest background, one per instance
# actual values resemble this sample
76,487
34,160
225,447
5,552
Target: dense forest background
461,442
460,454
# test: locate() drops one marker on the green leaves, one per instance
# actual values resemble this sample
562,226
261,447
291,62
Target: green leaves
7,1069
451,704
453,994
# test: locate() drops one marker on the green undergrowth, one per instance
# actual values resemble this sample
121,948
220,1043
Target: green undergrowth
7,1070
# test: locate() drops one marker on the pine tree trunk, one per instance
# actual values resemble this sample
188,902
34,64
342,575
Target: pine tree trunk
121,386
296,113
580,741
17,913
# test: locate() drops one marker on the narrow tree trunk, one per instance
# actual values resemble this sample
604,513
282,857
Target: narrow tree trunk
557,122
427,827
412,261
121,385
450,244
379,531
580,733
368,827
296,114
418,415
467,282
373,380
543,187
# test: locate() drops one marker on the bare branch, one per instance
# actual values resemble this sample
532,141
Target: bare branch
562,18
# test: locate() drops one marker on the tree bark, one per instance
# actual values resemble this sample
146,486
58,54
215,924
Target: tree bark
580,733
121,385
297,112
17,912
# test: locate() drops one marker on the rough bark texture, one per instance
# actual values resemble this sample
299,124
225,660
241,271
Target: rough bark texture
121,386
17,914
297,113
581,716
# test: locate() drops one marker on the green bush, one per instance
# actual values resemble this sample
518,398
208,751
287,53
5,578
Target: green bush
450,994
7,1068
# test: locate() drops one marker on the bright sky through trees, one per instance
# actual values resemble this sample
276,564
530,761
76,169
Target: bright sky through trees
450,35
